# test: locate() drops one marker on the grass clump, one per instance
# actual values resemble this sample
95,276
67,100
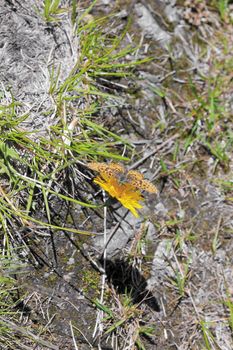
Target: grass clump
52,9
41,171
124,323
10,299
30,164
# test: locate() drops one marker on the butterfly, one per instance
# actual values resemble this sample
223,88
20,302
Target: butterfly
133,177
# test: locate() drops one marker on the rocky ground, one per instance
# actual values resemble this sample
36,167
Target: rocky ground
169,276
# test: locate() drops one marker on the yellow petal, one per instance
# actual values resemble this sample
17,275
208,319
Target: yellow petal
125,193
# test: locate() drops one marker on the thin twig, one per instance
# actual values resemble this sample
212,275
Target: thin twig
100,312
142,160
72,333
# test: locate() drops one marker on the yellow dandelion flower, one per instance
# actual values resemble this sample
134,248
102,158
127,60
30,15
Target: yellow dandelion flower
121,184
125,193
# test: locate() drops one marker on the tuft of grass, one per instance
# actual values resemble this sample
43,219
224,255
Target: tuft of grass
222,6
216,242
52,10
180,279
228,304
208,337
126,322
31,164
9,296
208,112
143,331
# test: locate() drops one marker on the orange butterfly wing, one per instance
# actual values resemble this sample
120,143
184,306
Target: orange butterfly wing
137,180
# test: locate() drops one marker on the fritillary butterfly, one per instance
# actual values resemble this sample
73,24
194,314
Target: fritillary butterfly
135,178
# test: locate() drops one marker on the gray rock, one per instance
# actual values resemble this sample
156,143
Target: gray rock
118,240
150,26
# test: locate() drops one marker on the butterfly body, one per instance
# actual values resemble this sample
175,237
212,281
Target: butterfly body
115,170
